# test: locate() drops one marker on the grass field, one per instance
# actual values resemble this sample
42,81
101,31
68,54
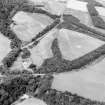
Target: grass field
89,82
32,101
4,46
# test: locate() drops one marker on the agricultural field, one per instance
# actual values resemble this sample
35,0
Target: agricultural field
52,52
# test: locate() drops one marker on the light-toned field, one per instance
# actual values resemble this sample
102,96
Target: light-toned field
4,46
90,82
28,25
74,44
43,49
32,101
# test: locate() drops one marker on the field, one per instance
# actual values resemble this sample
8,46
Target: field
54,54
4,50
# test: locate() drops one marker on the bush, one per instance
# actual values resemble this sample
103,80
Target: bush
96,19
98,22
54,97
25,53
11,57
91,9
15,43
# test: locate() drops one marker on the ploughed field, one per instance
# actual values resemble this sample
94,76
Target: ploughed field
52,56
